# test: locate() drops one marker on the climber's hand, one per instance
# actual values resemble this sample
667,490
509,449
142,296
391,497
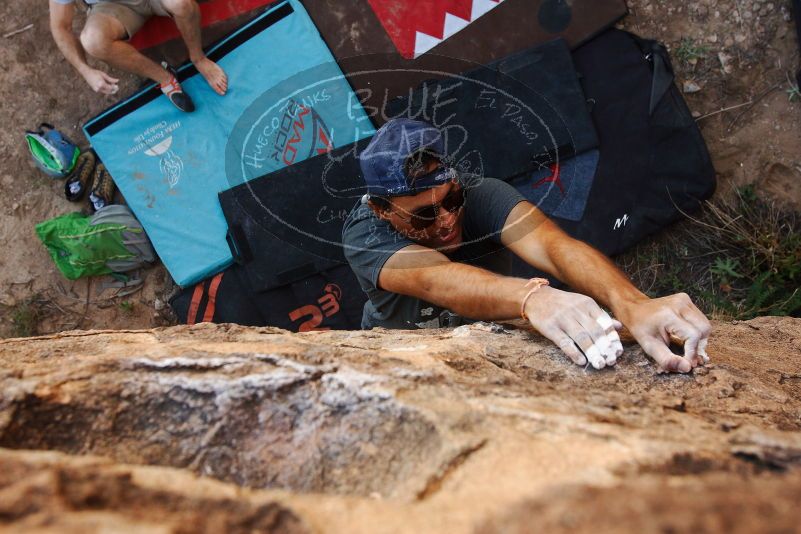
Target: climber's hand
577,325
100,82
655,322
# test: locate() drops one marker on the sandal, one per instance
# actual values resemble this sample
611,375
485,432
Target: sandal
78,179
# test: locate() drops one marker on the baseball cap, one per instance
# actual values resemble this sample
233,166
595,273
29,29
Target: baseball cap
383,161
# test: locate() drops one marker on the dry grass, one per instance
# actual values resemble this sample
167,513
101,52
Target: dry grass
740,258
689,51
25,317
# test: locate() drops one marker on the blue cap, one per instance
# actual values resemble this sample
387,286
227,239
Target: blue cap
383,161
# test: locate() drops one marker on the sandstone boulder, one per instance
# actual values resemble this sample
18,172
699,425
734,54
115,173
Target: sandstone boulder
220,428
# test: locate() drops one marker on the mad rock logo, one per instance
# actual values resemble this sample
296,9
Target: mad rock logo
307,135
297,133
156,142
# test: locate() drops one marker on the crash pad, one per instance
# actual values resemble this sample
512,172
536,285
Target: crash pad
387,47
286,100
159,30
518,113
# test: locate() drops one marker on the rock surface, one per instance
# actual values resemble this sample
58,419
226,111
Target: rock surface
219,428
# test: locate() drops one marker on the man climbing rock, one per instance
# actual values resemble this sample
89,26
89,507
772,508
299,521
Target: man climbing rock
428,244
111,23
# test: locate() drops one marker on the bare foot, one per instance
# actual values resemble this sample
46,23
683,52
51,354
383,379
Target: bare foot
214,75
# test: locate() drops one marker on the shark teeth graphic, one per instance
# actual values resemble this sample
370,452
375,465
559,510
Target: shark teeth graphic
481,7
424,42
452,25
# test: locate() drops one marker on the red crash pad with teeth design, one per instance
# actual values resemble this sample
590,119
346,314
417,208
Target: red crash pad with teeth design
159,30
416,27
388,47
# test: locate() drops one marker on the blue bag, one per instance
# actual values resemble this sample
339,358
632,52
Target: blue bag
53,153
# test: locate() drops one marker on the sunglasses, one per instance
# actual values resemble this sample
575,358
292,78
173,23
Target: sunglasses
424,217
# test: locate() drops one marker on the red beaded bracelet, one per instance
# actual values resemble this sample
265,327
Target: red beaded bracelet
537,283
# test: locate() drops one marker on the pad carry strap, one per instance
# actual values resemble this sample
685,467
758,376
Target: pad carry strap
663,76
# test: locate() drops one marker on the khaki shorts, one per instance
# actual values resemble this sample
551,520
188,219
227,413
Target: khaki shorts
132,14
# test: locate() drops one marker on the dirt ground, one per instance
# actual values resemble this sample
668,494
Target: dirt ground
732,57
222,428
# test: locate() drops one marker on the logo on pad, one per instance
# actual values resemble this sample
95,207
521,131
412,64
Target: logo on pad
156,142
172,168
293,132
302,132
314,314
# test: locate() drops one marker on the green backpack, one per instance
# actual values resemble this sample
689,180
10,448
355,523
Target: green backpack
110,241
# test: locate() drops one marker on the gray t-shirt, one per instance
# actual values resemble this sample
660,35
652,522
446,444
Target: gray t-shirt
369,242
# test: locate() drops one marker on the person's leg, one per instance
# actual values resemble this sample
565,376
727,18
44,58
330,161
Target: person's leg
104,36
186,14
107,27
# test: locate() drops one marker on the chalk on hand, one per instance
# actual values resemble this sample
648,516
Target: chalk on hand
595,358
614,341
605,322
612,348
702,350
604,344
608,324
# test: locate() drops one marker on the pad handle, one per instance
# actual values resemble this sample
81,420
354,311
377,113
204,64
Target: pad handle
238,244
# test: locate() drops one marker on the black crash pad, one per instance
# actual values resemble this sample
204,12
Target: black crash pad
357,37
